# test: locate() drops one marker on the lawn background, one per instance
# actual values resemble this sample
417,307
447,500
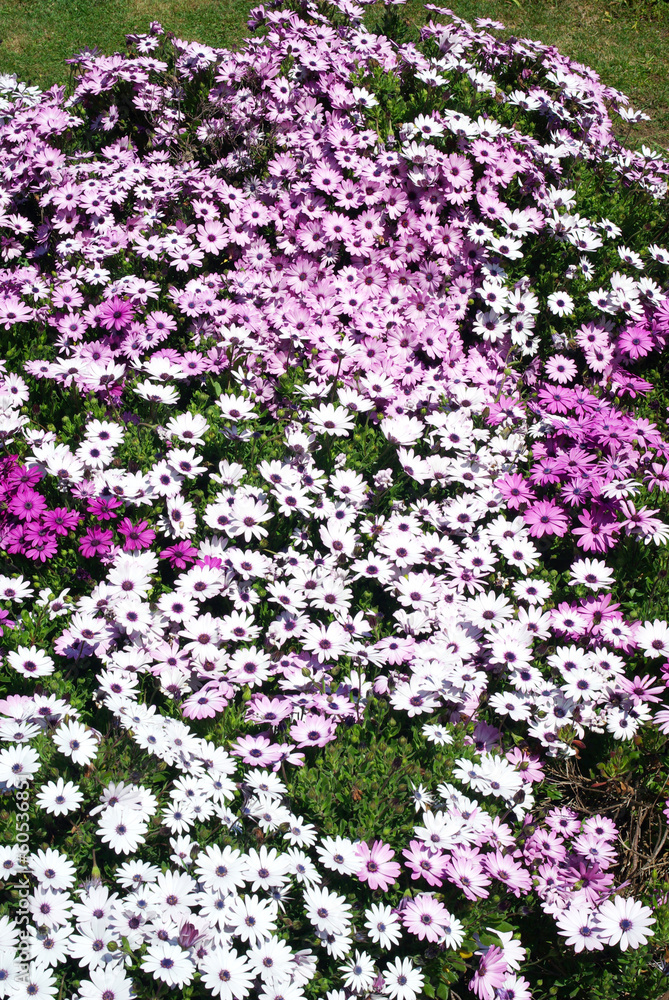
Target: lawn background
626,41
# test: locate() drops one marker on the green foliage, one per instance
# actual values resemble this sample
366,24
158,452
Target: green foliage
370,774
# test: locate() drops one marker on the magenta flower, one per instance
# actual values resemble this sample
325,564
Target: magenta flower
160,325
546,471
41,544
137,536
530,768
5,621
104,507
96,542
377,869
641,689
591,880
490,975
596,610
597,531
515,490
115,314
635,341
556,399
214,561
14,539
21,474
180,555
466,872
506,870
561,369
424,863
60,520
27,504
546,518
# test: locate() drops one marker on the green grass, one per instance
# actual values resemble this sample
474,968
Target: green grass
626,41
36,36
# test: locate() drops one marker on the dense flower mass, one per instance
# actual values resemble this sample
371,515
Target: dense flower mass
309,442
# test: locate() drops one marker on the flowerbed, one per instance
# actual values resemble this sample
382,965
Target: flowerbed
327,459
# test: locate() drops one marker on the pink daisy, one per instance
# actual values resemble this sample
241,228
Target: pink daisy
377,869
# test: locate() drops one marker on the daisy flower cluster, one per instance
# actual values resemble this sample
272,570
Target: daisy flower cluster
314,437
216,912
